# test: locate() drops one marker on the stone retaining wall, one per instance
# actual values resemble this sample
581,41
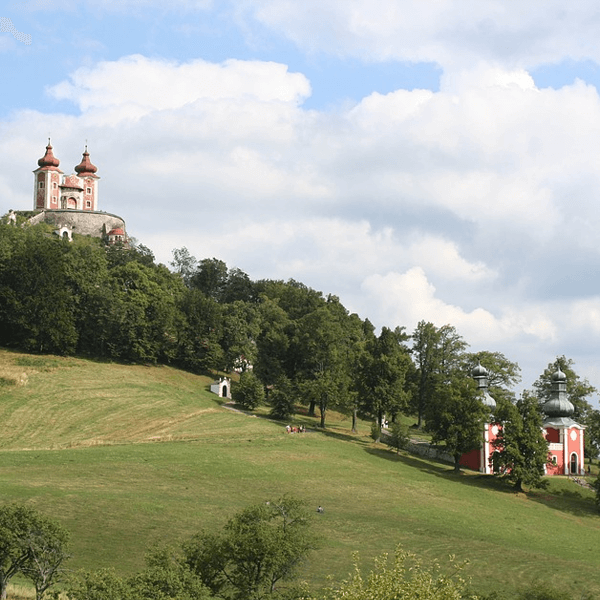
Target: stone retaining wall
82,222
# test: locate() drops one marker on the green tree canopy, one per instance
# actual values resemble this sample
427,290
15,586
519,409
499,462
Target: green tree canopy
503,374
520,449
457,417
438,355
30,544
258,550
381,375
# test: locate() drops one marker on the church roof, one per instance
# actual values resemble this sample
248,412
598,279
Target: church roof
49,161
85,167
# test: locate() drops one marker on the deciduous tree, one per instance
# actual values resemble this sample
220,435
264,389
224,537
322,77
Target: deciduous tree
249,391
258,550
457,417
31,544
520,449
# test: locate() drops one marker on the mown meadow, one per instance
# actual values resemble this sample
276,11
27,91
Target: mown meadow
126,456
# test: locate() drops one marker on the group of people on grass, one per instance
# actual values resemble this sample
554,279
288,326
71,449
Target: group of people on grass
294,429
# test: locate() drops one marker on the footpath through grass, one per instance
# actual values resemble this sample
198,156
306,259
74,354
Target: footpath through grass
117,495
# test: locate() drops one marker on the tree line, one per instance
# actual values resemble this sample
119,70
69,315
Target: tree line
291,344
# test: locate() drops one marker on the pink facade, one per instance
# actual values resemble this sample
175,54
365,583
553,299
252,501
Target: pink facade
565,446
565,437
56,191
480,459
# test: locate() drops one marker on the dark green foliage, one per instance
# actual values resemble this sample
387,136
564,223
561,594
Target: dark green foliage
282,399
457,416
438,355
592,434
249,391
399,436
103,584
30,544
375,431
503,374
37,299
520,450
198,338
166,577
241,328
210,278
381,374
258,550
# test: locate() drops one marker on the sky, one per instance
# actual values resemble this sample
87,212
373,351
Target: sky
432,160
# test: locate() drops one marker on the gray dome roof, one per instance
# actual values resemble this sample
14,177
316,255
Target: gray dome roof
479,371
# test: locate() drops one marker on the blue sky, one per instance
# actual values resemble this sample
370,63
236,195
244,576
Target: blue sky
422,160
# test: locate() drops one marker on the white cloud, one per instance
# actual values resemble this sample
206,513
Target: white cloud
449,32
407,298
141,84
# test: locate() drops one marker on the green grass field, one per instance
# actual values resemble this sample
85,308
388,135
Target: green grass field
126,456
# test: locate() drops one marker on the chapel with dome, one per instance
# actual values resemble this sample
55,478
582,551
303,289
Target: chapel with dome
565,436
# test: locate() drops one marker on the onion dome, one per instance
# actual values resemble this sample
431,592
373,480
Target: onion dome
480,375
559,404
479,371
85,167
49,160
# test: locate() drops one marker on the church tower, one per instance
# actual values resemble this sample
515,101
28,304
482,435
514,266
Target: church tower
479,460
89,182
564,435
48,178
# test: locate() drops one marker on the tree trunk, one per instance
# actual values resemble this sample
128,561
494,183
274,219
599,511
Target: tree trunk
457,463
322,410
311,408
354,419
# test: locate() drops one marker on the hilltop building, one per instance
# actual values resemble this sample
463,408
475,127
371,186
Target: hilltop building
70,202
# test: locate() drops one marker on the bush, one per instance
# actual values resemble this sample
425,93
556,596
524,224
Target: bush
375,431
249,392
399,436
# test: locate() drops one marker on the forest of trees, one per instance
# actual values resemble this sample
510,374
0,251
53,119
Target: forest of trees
303,347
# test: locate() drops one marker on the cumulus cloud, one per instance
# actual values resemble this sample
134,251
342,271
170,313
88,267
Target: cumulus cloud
148,84
448,33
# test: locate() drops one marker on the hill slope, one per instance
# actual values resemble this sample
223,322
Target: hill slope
117,495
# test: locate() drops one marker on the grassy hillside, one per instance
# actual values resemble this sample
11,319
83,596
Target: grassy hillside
125,456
